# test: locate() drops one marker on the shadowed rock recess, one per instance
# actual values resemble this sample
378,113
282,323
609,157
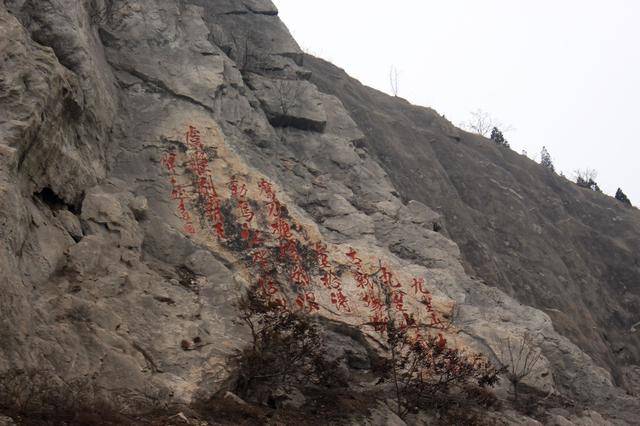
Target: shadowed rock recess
143,147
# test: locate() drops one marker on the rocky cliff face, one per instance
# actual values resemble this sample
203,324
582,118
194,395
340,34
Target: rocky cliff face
570,252
143,145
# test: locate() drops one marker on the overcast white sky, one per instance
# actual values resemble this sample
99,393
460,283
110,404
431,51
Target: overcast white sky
563,73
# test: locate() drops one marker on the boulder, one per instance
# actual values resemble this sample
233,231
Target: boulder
290,103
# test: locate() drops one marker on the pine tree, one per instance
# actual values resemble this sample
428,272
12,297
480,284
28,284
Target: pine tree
545,159
498,137
621,196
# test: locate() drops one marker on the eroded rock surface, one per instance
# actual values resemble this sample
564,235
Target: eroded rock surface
112,267
567,251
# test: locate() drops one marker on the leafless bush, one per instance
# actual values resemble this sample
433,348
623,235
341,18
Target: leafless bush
289,94
287,348
246,56
394,81
520,358
423,371
587,179
586,174
482,123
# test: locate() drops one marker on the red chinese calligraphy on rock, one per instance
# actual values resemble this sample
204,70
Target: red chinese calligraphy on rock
169,161
193,138
199,166
291,259
307,300
330,280
321,254
340,300
178,192
267,286
246,211
417,286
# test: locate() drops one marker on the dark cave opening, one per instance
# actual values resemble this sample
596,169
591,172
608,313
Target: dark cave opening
54,201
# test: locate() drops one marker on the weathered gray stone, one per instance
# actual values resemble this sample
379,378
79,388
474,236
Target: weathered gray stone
231,7
6,421
510,218
103,208
71,223
590,418
290,103
139,206
382,415
56,144
174,56
262,31
124,292
233,397
557,420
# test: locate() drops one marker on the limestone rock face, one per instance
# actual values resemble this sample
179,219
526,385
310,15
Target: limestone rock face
143,145
569,252
290,103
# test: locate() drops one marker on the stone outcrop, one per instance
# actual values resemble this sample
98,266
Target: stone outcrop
540,238
113,265
289,103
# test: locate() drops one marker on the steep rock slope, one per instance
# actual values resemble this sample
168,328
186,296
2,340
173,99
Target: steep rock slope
129,130
570,252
